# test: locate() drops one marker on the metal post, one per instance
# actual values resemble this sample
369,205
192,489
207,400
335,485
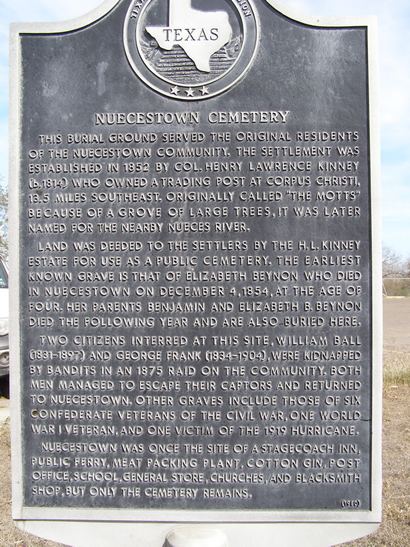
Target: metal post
195,536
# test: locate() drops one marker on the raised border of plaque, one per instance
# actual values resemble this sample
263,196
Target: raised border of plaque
147,528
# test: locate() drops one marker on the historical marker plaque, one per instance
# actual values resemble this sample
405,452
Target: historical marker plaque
196,259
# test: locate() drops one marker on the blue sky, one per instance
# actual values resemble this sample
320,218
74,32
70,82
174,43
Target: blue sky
394,55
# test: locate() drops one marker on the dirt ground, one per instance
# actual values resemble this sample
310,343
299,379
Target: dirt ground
395,530
396,324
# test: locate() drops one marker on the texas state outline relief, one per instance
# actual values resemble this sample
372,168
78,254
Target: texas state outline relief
199,33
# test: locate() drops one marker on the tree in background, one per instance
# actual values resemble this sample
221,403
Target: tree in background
4,219
406,268
396,274
392,263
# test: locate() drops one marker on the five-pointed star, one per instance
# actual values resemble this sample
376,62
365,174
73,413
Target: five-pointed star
189,92
204,90
175,90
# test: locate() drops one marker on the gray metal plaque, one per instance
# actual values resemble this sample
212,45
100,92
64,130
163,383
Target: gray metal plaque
195,252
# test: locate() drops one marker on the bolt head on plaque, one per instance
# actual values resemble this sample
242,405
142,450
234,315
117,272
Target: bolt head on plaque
196,536
190,53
